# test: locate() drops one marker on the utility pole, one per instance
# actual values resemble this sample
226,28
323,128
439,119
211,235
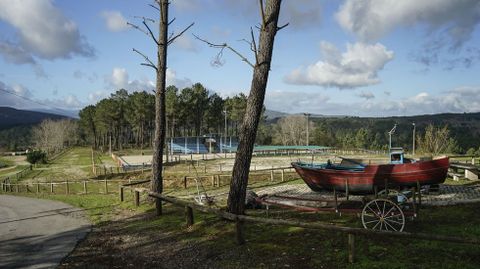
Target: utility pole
225,135
308,131
413,123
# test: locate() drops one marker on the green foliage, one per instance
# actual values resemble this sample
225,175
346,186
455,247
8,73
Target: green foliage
36,156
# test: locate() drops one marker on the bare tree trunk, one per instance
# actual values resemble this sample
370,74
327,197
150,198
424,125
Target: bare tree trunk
248,129
159,140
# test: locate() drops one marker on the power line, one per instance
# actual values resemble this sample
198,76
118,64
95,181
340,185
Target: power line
31,100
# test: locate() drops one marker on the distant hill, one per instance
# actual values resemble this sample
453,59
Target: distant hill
11,117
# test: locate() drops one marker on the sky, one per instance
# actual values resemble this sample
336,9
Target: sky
351,57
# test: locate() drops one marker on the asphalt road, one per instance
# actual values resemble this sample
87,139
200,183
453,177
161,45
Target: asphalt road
37,233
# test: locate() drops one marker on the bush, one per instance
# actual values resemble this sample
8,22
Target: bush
36,156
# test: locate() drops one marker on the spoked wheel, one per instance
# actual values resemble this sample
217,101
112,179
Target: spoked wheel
383,214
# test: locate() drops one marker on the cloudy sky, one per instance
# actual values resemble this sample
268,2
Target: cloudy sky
351,57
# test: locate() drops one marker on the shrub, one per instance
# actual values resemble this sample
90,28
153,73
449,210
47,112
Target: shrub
36,156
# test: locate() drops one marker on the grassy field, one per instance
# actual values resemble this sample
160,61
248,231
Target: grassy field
125,234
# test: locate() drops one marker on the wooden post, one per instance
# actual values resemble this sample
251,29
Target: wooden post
239,232
106,186
121,193
38,187
218,180
51,186
104,170
205,169
137,198
419,193
189,215
85,190
283,174
271,175
213,181
184,182
67,191
351,248
220,165
346,188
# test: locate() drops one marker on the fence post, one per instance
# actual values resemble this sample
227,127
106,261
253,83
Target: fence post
51,186
283,175
85,187
213,181
189,215
271,175
66,187
106,186
185,182
121,193
137,198
218,180
351,248
38,187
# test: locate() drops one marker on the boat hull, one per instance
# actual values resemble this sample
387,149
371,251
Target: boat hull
364,181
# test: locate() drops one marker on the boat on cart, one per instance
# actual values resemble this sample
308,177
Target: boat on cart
353,176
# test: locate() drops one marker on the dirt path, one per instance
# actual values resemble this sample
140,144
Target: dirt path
38,233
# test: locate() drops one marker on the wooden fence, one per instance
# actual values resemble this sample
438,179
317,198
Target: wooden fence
64,187
240,221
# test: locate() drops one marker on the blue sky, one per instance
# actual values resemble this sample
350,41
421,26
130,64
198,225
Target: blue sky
351,57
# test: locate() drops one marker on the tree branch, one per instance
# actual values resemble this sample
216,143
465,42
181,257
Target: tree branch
254,45
154,6
148,62
138,28
151,33
170,40
223,46
171,21
262,13
145,18
283,26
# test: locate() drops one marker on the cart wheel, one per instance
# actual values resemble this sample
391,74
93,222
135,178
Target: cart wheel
383,214
401,198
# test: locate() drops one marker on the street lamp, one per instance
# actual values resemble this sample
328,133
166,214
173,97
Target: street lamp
390,137
413,123
308,135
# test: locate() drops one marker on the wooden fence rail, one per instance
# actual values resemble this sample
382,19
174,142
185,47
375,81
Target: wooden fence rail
351,232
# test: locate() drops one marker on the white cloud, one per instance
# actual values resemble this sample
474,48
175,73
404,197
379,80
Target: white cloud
370,19
366,95
119,79
42,30
448,25
457,100
96,96
114,21
180,83
294,102
356,67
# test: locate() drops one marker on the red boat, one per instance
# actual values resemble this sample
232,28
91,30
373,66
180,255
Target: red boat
356,177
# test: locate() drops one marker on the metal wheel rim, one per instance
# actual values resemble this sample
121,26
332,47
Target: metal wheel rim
384,215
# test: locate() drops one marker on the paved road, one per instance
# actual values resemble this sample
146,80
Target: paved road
37,233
